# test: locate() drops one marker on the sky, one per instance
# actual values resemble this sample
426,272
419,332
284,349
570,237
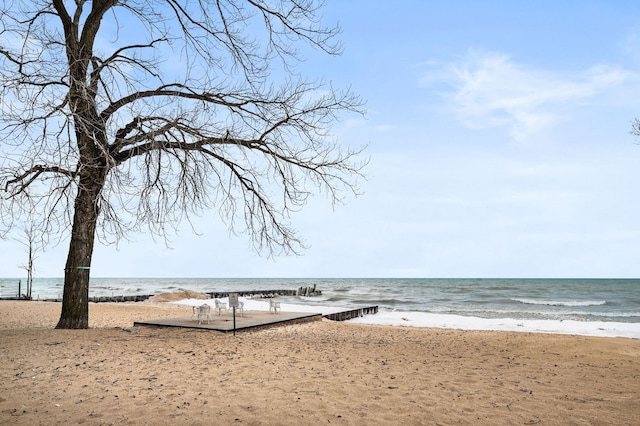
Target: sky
498,135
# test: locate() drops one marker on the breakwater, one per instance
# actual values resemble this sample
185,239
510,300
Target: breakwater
353,313
264,294
106,299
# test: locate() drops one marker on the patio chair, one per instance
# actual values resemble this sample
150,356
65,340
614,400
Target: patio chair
274,306
240,309
204,311
220,306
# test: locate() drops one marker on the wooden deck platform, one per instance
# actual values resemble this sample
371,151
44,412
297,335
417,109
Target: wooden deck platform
251,320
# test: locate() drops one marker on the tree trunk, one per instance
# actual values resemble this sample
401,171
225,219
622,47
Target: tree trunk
75,298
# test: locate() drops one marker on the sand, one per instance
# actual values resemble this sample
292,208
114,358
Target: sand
307,374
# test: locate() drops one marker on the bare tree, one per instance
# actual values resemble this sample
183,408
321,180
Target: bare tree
31,244
122,115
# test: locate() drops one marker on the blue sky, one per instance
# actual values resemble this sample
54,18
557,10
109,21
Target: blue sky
500,146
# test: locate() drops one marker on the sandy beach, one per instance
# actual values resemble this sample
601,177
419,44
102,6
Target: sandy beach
315,373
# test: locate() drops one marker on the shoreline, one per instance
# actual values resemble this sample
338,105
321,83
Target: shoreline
412,319
320,372
418,319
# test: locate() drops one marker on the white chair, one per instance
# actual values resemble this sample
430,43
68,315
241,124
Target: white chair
240,309
204,311
274,306
220,306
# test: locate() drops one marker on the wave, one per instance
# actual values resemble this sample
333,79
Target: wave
575,327
561,303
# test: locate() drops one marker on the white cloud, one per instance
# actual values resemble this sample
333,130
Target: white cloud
384,127
491,90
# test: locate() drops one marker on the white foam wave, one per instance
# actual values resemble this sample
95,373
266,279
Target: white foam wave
561,303
423,319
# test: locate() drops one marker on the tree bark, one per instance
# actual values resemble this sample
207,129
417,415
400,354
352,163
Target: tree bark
75,299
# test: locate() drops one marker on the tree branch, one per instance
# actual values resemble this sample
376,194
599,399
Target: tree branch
29,176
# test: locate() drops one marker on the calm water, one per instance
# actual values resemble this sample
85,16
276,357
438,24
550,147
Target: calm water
612,300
